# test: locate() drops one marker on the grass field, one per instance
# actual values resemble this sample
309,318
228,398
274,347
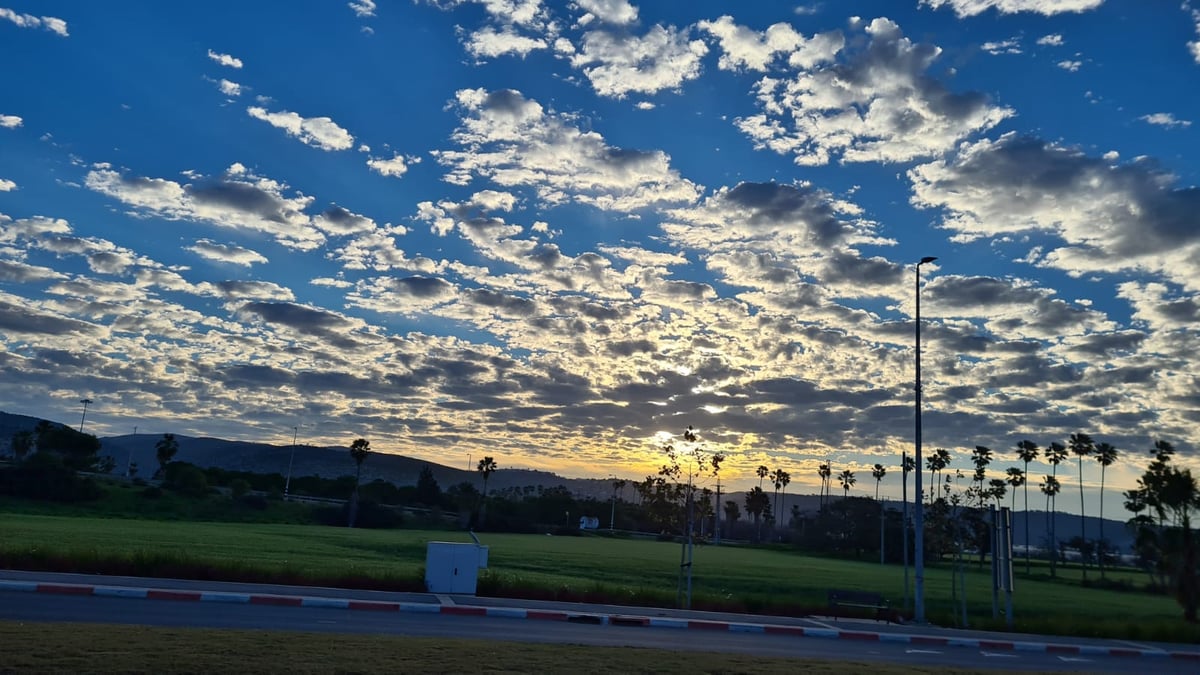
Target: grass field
43,648
575,568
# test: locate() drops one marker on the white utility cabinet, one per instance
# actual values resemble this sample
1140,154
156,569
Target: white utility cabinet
452,567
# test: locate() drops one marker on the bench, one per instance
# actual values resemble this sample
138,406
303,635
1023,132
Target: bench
859,600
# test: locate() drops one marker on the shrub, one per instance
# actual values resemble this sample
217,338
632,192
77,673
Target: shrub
239,487
152,492
256,502
186,479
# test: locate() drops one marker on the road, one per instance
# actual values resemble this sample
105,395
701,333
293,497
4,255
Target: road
73,608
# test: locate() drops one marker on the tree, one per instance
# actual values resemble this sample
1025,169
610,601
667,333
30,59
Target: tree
1055,453
732,513
981,456
1081,446
164,451
22,443
359,449
1027,451
997,488
1015,478
878,472
757,504
428,491
1174,494
486,467
762,472
848,480
936,462
825,471
780,479
1106,455
1050,488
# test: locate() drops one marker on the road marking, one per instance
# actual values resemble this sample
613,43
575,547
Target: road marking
922,651
444,599
999,655
822,624
1074,659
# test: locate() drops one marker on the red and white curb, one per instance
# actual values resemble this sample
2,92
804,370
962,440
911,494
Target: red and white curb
597,619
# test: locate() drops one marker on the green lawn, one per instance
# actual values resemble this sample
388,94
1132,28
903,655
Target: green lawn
584,568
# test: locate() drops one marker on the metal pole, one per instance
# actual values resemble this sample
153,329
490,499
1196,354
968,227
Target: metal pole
1006,571
287,484
919,543
995,523
717,515
904,520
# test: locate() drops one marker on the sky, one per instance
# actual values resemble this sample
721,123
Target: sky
559,233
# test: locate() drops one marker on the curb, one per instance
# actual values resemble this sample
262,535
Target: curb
587,618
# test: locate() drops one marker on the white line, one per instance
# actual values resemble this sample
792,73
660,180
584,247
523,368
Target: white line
444,599
822,624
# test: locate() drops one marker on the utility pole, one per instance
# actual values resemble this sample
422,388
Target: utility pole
86,402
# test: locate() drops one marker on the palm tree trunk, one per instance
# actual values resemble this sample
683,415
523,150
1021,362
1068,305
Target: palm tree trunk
1082,524
1100,544
1050,514
1027,564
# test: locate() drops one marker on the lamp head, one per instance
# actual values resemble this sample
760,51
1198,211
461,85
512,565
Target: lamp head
927,259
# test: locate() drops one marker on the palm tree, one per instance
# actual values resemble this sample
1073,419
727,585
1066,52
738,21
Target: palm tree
1106,454
878,472
359,450
1016,478
762,472
1050,488
824,471
1081,446
937,462
1055,453
1027,451
165,450
996,489
981,457
784,478
486,467
848,480
756,503
776,477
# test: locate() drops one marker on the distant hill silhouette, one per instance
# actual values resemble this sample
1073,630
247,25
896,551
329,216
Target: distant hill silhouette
330,462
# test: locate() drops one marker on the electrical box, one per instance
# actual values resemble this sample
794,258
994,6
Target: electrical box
452,567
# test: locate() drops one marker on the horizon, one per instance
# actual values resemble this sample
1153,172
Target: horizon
562,233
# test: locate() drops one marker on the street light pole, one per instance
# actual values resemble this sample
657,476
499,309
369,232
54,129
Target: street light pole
919,511
85,402
287,484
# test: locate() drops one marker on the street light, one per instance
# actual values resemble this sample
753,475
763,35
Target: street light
919,511
86,402
287,484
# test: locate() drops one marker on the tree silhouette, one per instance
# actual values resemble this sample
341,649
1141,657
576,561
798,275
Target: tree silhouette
1055,453
757,503
981,457
1106,454
762,472
1081,446
359,449
1027,451
164,451
825,471
1016,478
848,480
878,472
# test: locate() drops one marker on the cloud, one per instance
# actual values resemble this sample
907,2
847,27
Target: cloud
226,253
746,49
619,63
1009,46
319,132
10,121
490,43
1051,40
513,141
615,12
1165,120
965,8
339,221
229,88
7,185
1194,46
1109,217
363,8
395,167
235,200
50,23
875,104
1071,66
225,59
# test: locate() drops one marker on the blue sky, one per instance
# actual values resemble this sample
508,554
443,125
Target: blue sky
559,233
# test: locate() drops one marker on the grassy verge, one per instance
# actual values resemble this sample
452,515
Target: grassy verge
610,570
34,647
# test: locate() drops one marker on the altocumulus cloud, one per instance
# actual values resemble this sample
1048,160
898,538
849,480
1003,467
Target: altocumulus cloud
319,132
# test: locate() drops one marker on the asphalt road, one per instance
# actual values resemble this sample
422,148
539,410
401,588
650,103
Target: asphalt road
66,608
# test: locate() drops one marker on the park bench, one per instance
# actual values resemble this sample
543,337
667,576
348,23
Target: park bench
859,600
